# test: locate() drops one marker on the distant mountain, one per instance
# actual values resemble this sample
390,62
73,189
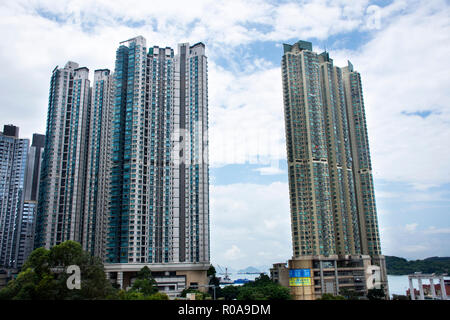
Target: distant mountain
249,270
401,266
264,268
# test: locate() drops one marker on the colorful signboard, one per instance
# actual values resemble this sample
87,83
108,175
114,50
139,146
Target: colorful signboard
299,273
299,277
299,282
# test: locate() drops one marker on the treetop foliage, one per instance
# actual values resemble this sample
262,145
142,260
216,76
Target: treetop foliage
43,275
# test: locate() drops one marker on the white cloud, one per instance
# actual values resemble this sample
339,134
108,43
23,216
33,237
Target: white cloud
404,68
416,249
246,112
318,19
432,195
231,22
234,253
423,186
246,116
411,227
272,170
410,243
252,217
434,230
387,195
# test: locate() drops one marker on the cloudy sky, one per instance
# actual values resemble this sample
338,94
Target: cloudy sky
401,48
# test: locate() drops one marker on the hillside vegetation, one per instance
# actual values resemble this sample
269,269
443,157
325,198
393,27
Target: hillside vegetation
401,266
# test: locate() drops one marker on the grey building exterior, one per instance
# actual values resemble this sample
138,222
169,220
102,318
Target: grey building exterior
61,191
159,172
159,190
28,220
74,181
98,145
33,167
125,164
13,164
333,212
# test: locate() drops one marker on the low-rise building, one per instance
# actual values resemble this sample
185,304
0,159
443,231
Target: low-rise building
431,291
279,273
310,277
171,278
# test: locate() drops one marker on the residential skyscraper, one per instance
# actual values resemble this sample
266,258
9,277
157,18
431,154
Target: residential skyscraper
73,196
13,164
365,193
62,182
125,166
98,157
159,198
333,213
27,224
33,167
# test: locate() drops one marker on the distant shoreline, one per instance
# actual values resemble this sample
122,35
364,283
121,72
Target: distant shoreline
397,266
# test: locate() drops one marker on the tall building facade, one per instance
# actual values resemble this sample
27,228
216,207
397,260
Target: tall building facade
28,220
125,167
332,200
365,194
159,182
98,157
159,190
74,180
13,165
62,182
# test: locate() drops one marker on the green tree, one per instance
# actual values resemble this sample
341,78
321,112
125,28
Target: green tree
263,288
198,294
211,271
43,275
20,288
158,296
145,283
376,294
230,292
39,261
214,281
135,295
251,293
329,296
262,280
349,294
130,295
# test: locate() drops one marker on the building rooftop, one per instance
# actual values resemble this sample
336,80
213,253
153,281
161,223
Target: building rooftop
300,45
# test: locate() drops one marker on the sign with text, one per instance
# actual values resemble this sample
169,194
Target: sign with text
299,282
299,273
299,277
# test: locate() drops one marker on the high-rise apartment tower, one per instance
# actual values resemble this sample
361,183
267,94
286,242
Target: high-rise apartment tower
13,165
125,166
159,198
28,220
62,183
333,213
73,197
98,157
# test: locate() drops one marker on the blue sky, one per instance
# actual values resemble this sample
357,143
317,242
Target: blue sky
401,49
